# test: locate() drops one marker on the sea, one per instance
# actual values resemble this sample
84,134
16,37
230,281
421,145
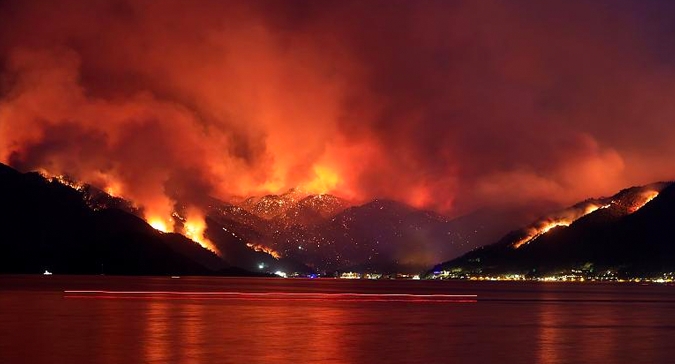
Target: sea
106,319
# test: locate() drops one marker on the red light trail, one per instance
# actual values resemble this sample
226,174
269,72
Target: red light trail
273,296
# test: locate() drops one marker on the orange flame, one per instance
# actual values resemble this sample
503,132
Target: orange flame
647,197
158,224
325,180
534,233
264,249
63,180
194,228
114,189
194,225
546,225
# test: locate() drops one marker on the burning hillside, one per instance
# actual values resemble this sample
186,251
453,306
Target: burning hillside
629,232
625,202
563,218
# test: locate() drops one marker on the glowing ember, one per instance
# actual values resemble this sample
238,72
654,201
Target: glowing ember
61,179
546,225
646,197
264,249
67,182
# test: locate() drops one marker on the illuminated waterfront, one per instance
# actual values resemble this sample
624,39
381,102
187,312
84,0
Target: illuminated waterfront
571,276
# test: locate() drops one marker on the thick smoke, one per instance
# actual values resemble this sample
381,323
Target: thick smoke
446,105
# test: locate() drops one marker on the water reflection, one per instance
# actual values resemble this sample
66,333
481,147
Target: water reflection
514,323
550,336
574,330
111,327
192,319
157,332
598,336
189,331
606,327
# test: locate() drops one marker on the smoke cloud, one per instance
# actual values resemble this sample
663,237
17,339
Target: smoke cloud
444,105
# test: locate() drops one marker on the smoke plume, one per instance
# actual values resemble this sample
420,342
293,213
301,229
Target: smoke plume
444,105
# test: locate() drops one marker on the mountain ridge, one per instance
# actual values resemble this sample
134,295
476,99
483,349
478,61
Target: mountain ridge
311,233
47,225
629,233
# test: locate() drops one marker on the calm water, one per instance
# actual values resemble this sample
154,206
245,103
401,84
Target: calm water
307,321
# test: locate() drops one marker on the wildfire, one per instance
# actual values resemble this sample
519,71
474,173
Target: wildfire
552,225
264,249
158,224
64,180
646,197
534,233
325,180
114,189
194,228
546,225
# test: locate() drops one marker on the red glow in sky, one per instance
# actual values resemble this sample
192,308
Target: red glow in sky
444,105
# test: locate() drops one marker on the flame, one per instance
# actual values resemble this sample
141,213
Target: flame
158,215
325,180
534,233
194,228
114,189
194,225
542,227
264,249
158,224
592,208
646,197
552,225
64,181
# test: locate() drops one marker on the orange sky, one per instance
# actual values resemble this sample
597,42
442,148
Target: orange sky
449,106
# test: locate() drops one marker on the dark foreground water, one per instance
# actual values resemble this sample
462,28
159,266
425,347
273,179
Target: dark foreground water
234,320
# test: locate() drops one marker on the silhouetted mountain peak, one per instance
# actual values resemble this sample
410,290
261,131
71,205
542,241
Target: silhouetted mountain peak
630,231
47,224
